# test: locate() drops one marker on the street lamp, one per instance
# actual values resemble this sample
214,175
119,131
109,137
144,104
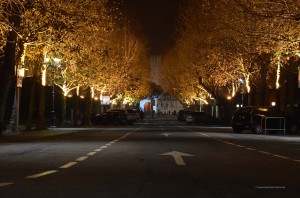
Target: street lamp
53,63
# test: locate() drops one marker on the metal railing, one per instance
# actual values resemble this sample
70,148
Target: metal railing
281,124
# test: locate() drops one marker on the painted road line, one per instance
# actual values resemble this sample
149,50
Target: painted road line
41,174
92,153
82,158
228,143
102,147
251,149
68,165
97,150
6,184
280,156
264,152
178,157
204,134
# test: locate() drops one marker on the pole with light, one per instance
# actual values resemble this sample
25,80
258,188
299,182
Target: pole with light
53,63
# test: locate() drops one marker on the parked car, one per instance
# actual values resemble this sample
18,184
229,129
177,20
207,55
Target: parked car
201,118
181,115
129,117
136,112
112,117
258,119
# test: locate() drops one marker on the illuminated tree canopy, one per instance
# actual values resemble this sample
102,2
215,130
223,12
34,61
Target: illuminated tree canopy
98,48
228,46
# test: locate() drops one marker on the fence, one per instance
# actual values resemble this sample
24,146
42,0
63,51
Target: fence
276,124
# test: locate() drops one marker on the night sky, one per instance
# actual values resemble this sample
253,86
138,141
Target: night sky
157,19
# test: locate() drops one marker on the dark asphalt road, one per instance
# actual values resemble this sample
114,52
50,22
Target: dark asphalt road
157,158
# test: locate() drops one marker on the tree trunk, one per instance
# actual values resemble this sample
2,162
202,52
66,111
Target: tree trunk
8,70
41,116
87,109
292,86
31,104
64,109
76,112
32,97
263,85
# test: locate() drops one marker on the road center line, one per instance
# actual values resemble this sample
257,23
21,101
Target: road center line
92,153
251,149
41,174
68,165
6,184
97,150
280,156
264,152
82,158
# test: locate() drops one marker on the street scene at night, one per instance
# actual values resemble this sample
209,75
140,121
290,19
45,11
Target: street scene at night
150,98
159,157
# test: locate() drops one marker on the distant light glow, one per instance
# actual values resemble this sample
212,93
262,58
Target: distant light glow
56,60
21,72
273,104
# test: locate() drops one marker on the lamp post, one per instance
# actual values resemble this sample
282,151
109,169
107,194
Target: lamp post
53,64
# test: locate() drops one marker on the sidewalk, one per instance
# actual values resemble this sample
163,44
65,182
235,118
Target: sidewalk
32,135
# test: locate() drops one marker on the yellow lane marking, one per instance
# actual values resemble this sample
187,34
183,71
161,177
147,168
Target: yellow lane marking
41,174
68,165
92,153
5,184
102,147
82,158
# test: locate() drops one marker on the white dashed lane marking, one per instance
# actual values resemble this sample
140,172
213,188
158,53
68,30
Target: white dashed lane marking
97,150
41,174
92,153
80,159
68,165
6,184
251,149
